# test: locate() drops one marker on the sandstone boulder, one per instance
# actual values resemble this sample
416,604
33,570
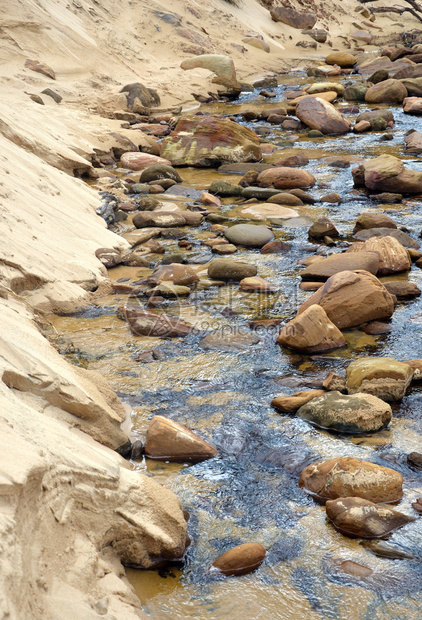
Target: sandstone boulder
293,18
351,298
393,257
321,115
221,65
288,404
360,413
240,560
321,228
176,273
360,518
208,141
159,172
249,235
387,173
168,440
162,219
403,290
369,233
256,285
350,477
109,257
389,91
342,59
311,332
226,269
373,220
413,142
140,161
285,178
263,211
324,268
412,105
383,377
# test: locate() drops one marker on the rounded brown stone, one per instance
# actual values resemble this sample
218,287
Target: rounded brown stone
240,560
168,440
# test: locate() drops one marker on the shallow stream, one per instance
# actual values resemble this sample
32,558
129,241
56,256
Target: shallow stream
250,492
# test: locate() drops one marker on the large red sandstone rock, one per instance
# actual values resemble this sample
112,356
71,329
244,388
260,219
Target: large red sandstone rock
388,91
351,298
285,178
311,332
319,114
206,141
240,560
295,19
387,173
350,477
170,441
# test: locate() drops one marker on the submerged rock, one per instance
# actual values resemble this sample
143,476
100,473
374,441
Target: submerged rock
361,413
168,440
360,518
350,477
240,560
146,323
229,340
176,273
383,377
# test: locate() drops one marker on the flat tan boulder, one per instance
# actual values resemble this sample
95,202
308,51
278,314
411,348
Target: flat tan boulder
342,59
168,440
360,518
412,105
387,173
329,96
393,256
413,142
265,210
351,298
311,332
388,91
383,377
324,268
349,477
373,220
284,177
240,560
324,87
319,114
288,404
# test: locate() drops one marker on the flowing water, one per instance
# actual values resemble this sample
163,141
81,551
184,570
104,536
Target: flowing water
250,492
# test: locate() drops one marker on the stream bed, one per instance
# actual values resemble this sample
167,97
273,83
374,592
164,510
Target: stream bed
250,491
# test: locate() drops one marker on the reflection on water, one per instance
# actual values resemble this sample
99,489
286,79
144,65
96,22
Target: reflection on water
250,492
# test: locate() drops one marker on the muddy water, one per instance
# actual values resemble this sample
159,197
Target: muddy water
250,492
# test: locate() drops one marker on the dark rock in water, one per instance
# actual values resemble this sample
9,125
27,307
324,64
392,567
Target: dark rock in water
291,459
359,413
376,328
284,550
273,247
125,449
226,269
261,193
249,235
109,257
304,196
321,228
414,459
387,197
137,450
146,323
373,220
182,190
240,560
379,76
158,172
230,341
371,114
357,517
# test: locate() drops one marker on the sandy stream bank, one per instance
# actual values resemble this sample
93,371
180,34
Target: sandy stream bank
71,507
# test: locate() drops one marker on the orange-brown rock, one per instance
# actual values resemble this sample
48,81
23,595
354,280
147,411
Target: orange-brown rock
287,404
360,518
342,59
286,178
319,114
40,67
311,332
387,173
351,298
393,257
240,560
324,268
205,141
140,161
350,477
388,91
258,285
146,323
168,440
373,220
175,272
